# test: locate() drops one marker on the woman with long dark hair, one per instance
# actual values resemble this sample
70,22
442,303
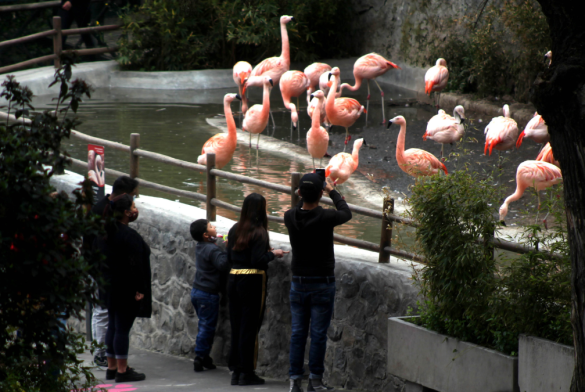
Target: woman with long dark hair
127,283
249,252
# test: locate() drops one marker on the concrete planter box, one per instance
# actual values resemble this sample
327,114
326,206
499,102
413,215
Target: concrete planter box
439,362
544,366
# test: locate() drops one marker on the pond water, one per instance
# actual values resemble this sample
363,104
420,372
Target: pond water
174,123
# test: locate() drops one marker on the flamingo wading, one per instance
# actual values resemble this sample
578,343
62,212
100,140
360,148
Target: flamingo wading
317,137
436,79
501,133
536,129
293,84
313,72
222,145
414,161
445,129
369,67
256,118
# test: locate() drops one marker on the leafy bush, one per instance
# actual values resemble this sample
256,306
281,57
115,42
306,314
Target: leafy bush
501,52
46,276
470,295
180,34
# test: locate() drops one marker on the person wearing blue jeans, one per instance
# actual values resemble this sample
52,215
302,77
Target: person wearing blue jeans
212,266
312,293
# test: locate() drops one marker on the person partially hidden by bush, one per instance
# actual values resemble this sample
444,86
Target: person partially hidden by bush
128,284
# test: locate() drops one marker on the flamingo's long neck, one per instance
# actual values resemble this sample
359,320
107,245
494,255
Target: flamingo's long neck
316,120
355,154
266,101
520,188
285,45
457,116
231,123
330,104
400,144
356,86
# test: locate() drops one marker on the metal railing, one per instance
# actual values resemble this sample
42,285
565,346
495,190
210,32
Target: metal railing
57,35
386,215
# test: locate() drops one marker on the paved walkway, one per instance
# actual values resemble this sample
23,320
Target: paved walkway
169,373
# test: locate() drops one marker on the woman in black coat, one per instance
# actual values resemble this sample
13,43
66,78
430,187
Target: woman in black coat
128,284
249,253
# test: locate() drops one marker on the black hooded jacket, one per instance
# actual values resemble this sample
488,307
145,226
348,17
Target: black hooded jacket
311,236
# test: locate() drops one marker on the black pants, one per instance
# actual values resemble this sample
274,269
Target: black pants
120,322
79,13
247,299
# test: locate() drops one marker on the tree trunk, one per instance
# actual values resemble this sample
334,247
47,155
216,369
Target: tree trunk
559,96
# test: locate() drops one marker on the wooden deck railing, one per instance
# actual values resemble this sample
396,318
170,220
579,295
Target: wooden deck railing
57,35
383,248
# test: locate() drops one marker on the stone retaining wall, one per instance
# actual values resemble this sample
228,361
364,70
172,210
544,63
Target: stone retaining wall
367,294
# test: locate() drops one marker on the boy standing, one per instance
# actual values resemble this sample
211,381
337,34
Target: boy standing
312,292
211,264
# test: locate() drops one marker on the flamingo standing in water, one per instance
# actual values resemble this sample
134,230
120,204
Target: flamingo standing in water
256,118
546,155
369,67
536,130
537,174
223,145
273,67
501,133
436,79
317,137
342,165
241,71
414,162
445,129
293,84
313,72
341,111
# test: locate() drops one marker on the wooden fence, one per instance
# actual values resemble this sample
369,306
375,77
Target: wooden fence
57,35
383,247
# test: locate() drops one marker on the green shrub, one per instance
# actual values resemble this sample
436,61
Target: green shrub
182,34
46,275
500,53
469,294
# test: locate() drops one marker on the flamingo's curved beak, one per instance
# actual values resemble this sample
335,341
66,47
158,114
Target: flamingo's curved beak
330,75
292,19
312,96
545,58
365,144
271,83
462,120
238,97
244,86
389,124
503,223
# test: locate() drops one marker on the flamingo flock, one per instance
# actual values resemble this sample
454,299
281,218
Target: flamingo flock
326,107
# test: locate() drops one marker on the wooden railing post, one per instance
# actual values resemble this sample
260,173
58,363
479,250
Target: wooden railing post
295,179
57,41
210,187
386,235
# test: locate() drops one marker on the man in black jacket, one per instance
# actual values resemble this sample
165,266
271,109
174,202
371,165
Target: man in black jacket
312,293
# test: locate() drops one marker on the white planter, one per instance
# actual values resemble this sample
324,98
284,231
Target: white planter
544,366
446,364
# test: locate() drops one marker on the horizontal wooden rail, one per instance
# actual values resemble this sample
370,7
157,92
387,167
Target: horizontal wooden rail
250,180
171,161
27,38
92,29
519,248
27,63
404,254
92,51
97,140
27,7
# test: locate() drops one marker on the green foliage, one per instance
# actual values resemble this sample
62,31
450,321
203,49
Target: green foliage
499,54
470,296
182,34
47,276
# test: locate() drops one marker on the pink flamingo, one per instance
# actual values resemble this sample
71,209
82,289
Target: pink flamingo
293,84
342,165
414,162
501,133
369,67
445,129
241,72
223,145
256,118
436,79
536,130
537,174
546,155
317,137
341,111
313,72
322,114
273,67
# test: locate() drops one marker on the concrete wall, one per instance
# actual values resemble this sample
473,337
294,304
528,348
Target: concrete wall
367,294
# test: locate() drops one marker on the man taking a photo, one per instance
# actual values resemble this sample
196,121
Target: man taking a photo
312,293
